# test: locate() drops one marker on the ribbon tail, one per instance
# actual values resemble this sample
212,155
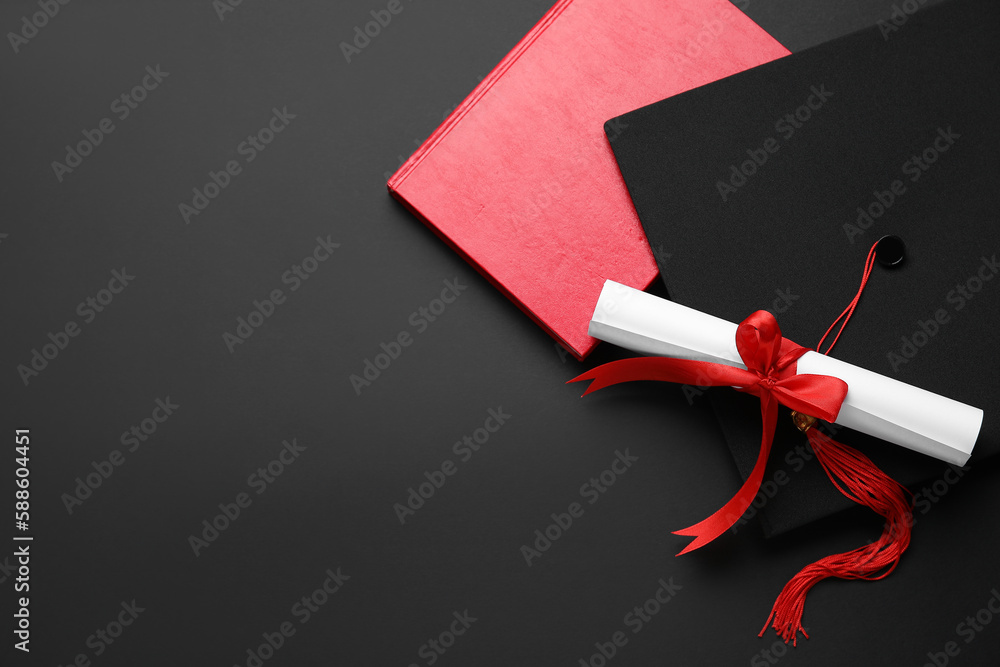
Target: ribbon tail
722,520
665,369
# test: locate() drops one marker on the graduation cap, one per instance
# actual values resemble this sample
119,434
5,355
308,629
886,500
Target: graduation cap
766,190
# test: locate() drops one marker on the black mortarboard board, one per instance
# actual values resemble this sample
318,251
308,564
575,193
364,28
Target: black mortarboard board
766,190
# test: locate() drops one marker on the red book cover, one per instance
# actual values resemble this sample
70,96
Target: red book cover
520,178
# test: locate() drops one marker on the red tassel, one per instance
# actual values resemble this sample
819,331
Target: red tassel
859,479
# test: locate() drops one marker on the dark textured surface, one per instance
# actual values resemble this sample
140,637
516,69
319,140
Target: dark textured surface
162,336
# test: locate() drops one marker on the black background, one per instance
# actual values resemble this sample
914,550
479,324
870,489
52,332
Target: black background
333,507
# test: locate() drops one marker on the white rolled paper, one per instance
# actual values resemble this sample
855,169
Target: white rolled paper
877,405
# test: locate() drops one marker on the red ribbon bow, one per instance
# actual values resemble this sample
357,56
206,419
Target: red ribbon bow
770,375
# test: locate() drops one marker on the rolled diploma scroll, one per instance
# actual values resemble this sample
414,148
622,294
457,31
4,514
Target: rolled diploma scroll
877,405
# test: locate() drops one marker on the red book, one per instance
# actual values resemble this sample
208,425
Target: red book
520,179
